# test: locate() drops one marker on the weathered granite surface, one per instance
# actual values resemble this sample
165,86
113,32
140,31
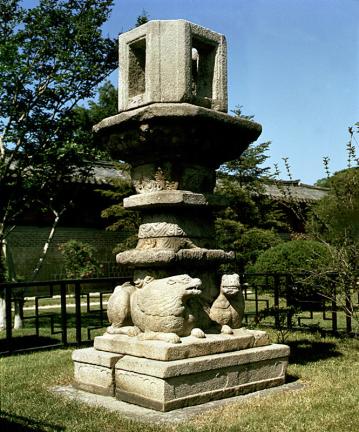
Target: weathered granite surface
166,386
166,175
189,347
169,199
163,256
155,305
94,370
172,61
228,308
176,132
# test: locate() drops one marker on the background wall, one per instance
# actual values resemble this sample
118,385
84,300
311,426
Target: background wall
26,243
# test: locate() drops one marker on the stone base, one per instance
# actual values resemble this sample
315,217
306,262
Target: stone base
95,371
168,385
165,386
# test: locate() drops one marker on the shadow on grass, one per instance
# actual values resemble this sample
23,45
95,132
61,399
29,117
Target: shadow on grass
304,351
289,378
10,422
87,319
27,343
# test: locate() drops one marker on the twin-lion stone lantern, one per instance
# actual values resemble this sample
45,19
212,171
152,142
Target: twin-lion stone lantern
176,337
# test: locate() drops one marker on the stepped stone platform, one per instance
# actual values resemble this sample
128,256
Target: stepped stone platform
163,376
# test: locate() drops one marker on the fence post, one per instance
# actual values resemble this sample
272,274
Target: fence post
276,301
78,312
8,320
348,308
289,298
63,313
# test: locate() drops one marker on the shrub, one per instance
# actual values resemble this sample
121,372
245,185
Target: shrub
80,260
254,242
294,256
308,291
247,243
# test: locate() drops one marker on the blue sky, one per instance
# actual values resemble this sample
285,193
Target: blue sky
294,64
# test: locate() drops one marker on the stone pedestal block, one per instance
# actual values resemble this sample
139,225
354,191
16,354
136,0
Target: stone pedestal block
94,371
189,347
165,386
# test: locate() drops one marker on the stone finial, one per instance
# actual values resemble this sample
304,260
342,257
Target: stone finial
172,61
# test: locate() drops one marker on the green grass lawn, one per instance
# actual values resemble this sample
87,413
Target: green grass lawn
329,401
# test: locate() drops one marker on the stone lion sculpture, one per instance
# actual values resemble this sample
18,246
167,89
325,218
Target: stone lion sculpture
228,308
155,308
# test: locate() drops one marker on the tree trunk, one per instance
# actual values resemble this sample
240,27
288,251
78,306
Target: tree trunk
2,279
48,242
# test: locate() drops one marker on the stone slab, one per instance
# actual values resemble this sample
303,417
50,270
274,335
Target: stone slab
170,110
194,365
176,132
189,346
146,415
201,257
199,380
94,371
93,356
171,198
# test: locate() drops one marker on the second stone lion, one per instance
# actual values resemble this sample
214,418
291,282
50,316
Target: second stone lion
228,308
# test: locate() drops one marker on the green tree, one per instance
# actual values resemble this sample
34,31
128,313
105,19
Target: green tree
333,222
335,218
142,19
51,57
84,118
80,260
251,219
118,217
293,256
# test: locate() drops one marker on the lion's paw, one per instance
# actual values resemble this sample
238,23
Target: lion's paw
198,333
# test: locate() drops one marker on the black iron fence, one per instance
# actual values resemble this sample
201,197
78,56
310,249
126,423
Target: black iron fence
71,312
301,300
53,313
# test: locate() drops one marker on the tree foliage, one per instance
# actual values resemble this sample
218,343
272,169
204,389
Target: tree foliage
80,260
143,18
249,223
84,118
118,217
51,57
293,256
335,218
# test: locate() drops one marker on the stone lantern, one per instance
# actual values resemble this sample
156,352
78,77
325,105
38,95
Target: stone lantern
175,337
